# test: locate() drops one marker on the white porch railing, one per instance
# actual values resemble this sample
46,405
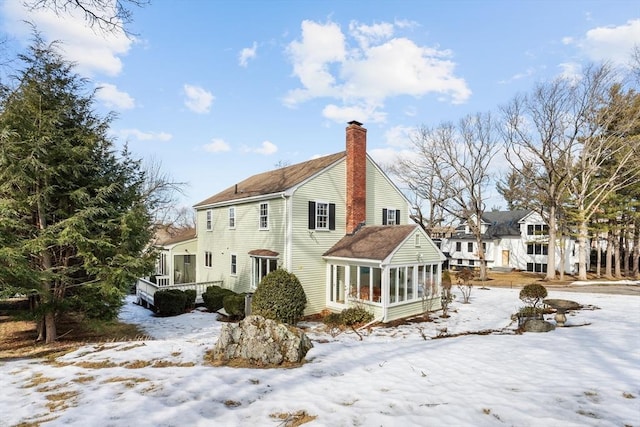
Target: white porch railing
145,290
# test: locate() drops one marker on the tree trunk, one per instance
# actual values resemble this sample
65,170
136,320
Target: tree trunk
582,251
626,250
551,253
609,257
635,264
50,327
616,251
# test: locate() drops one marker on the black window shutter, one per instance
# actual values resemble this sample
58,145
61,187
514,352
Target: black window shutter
384,217
397,216
332,216
312,215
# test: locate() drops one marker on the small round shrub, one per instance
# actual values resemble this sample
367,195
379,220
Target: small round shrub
191,295
279,297
213,297
170,302
355,316
234,305
533,294
332,320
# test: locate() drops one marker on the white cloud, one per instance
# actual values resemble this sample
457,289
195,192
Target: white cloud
93,52
198,99
613,43
246,54
113,98
571,71
145,136
217,146
375,65
267,148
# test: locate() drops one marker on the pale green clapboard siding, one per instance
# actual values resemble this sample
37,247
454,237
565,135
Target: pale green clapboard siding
412,309
381,194
309,245
408,252
223,241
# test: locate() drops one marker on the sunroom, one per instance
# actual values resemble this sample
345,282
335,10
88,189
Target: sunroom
394,271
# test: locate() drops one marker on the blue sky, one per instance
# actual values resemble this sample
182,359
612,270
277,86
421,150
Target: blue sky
220,90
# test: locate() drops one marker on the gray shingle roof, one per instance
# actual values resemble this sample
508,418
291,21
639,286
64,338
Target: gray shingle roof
274,181
375,242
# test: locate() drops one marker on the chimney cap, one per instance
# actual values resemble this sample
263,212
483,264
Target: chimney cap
354,123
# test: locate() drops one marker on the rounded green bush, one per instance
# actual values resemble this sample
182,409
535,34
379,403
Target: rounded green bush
170,302
279,297
234,305
355,316
532,294
213,297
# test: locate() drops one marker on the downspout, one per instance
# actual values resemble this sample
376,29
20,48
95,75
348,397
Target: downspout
288,209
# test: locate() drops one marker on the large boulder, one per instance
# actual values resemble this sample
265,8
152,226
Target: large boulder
260,342
538,325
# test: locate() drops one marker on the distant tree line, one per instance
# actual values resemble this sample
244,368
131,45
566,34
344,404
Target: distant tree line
572,147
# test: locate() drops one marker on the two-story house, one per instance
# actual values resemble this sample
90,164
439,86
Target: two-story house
511,240
337,222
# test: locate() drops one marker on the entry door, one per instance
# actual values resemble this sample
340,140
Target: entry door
505,258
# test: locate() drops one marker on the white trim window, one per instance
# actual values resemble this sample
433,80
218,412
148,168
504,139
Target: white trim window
390,216
208,259
232,217
263,216
322,215
261,267
209,222
234,264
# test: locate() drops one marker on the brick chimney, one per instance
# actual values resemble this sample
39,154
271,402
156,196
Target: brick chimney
356,176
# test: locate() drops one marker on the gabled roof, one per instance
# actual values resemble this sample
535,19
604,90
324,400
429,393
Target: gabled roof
273,182
504,223
375,242
181,236
499,224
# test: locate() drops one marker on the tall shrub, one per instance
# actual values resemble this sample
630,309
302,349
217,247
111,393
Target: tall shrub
280,297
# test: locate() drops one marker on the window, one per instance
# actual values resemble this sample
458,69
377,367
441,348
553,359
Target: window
417,242
458,246
459,261
234,264
470,247
262,267
162,264
537,249
264,216
209,220
536,267
208,259
390,216
537,229
472,262
484,246
322,216
232,217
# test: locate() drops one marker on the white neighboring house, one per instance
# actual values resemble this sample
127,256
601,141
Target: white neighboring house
512,240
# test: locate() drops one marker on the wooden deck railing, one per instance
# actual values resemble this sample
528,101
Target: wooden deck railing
145,290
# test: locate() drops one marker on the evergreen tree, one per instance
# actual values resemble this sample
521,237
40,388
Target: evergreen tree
71,210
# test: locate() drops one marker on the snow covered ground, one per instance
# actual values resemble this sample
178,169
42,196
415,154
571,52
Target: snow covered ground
584,375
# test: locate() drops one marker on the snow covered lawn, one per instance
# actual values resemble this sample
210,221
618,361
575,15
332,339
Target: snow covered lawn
584,375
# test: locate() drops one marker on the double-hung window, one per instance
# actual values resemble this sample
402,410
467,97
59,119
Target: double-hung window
209,220
264,216
390,216
208,259
232,217
322,215
234,264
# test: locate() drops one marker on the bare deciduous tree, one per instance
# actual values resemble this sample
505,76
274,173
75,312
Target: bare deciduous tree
107,16
609,156
540,131
451,171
